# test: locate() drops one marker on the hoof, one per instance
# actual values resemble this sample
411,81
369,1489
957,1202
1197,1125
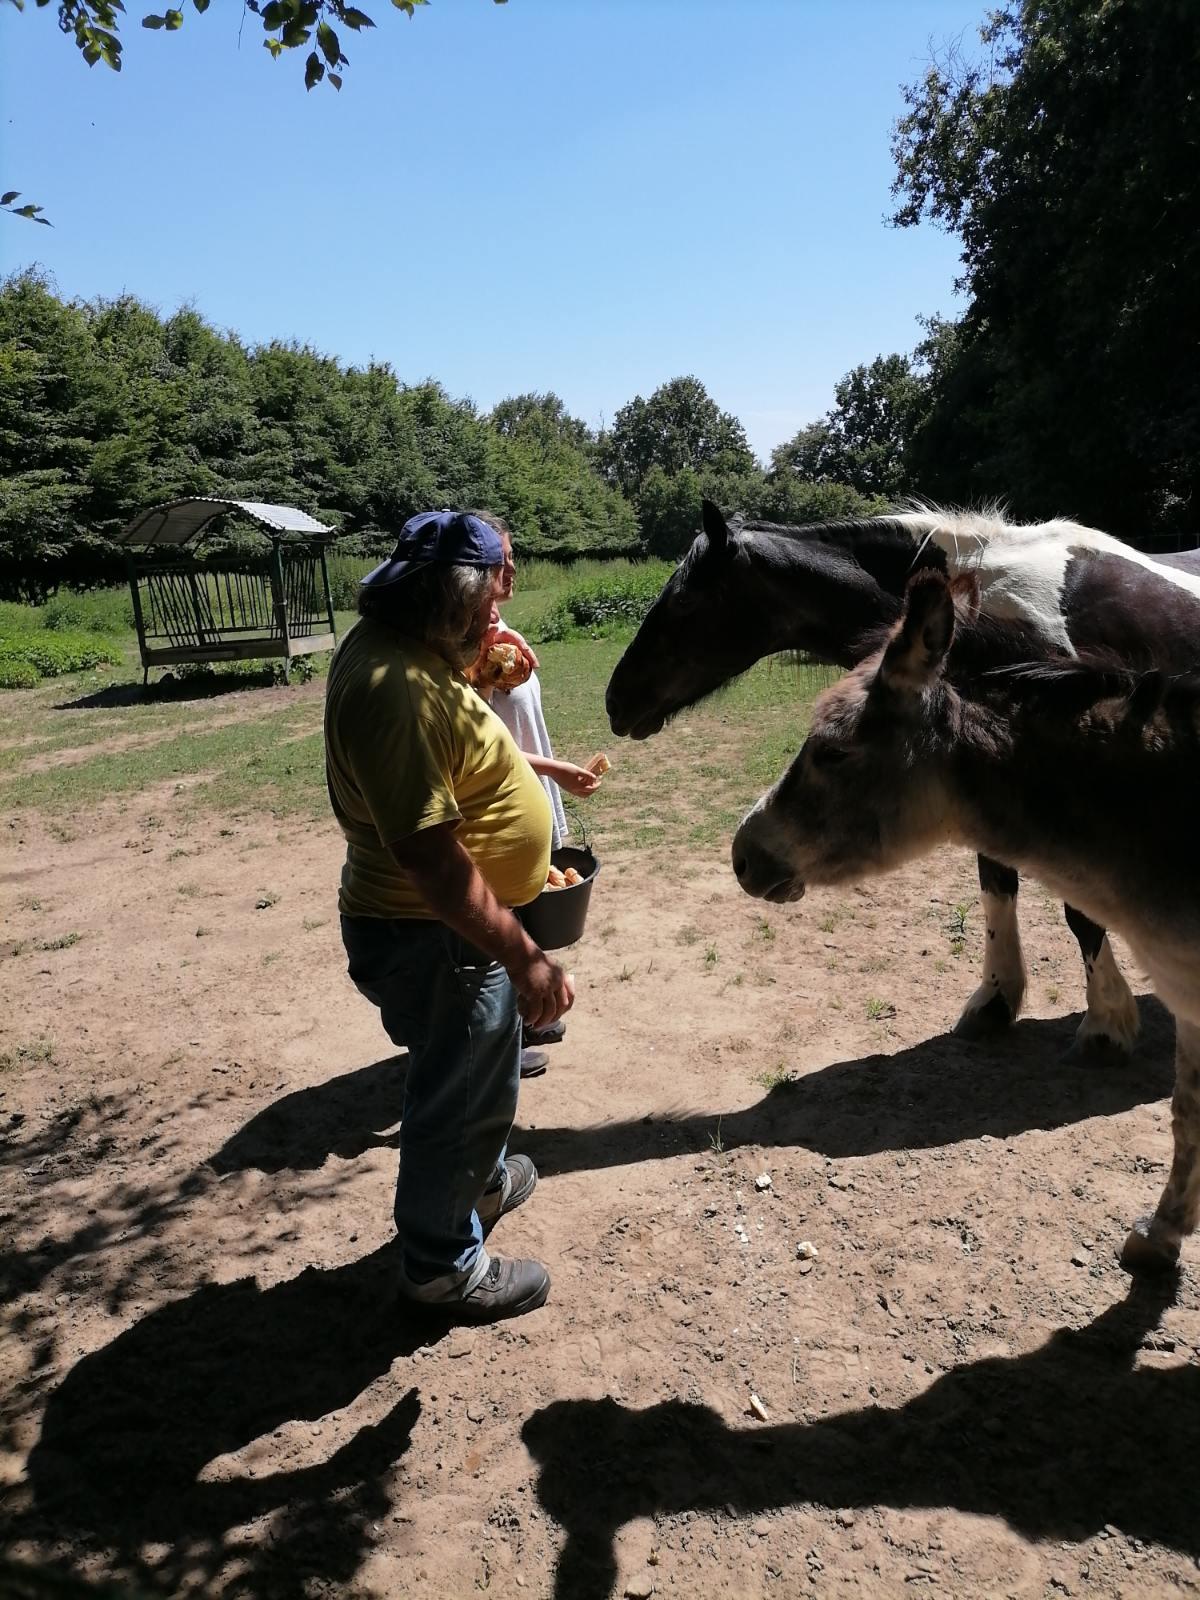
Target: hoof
1143,1253
1097,1050
985,1021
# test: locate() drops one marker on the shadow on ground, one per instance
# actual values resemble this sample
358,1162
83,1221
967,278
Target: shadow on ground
128,1440
175,691
1057,1443
935,1093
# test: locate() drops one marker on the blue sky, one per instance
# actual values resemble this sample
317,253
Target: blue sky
590,196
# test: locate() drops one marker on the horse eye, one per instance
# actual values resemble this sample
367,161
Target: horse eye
828,755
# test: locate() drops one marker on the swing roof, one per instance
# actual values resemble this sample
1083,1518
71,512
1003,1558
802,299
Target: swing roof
179,521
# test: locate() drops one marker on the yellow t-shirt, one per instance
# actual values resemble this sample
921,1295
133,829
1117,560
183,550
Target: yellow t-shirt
408,745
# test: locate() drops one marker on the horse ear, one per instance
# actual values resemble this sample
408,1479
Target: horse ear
720,538
918,647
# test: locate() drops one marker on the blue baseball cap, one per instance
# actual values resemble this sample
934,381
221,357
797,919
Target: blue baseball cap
454,537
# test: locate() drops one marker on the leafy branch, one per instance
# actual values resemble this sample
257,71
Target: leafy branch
33,213
288,24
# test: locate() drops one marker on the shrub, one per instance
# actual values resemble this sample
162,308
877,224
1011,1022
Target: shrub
16,674
345,574
97,611
620,599
50,654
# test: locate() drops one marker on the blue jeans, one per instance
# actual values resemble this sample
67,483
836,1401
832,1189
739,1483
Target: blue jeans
456,1012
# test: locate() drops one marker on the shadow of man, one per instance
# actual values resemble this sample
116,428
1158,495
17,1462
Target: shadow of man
345,1116
1058,1443
127,1437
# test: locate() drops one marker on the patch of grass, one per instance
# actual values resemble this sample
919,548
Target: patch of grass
880,1010
63,942
188,890
266,900
716,1141
776,1077
765,931
829,921
270,957
710,955
35,1053
688,935
1052,994
310,924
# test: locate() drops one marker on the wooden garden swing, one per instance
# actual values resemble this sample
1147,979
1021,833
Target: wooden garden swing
237,608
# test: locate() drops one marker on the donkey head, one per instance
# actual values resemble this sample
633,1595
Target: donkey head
863,795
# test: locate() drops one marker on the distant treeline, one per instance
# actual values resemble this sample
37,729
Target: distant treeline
106,407
1065,156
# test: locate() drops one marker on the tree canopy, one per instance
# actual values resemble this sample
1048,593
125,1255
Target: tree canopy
107,407
1067,159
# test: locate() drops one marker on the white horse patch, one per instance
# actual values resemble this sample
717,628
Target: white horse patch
1021,568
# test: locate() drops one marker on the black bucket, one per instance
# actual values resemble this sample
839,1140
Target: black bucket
557,916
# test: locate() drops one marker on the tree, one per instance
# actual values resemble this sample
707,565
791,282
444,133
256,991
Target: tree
865,440
669,452
679,426
107,407
1067,159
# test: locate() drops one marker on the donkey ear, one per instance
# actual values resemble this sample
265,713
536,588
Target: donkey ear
918,648
720,538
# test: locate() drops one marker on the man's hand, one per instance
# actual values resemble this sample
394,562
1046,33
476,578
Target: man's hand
458,894
545,992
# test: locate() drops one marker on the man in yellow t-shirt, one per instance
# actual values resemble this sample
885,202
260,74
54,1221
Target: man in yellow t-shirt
447,828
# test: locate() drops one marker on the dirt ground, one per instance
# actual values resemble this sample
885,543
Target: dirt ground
209,1388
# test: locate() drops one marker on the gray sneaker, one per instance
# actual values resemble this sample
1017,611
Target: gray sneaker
507,1289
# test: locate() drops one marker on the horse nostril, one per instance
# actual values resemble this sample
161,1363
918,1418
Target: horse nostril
739,865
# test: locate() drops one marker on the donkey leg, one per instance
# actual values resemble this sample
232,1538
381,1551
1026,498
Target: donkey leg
1110,1024
996,1003
1153,1242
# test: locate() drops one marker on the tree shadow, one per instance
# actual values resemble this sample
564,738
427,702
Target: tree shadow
121,1465
1057,1443
935,1093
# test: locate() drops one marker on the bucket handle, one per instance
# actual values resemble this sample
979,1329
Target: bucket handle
576,820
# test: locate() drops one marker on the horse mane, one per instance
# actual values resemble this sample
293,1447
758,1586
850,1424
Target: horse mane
1069,688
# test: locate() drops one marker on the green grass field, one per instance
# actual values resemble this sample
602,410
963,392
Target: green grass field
88,742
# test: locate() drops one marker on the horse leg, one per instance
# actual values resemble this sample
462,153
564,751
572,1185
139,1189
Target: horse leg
1153,1242
996,1003
1110,1024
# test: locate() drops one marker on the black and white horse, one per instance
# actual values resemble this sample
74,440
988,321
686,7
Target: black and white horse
756,588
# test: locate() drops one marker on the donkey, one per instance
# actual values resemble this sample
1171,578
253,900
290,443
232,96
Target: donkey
760,588
1085,776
